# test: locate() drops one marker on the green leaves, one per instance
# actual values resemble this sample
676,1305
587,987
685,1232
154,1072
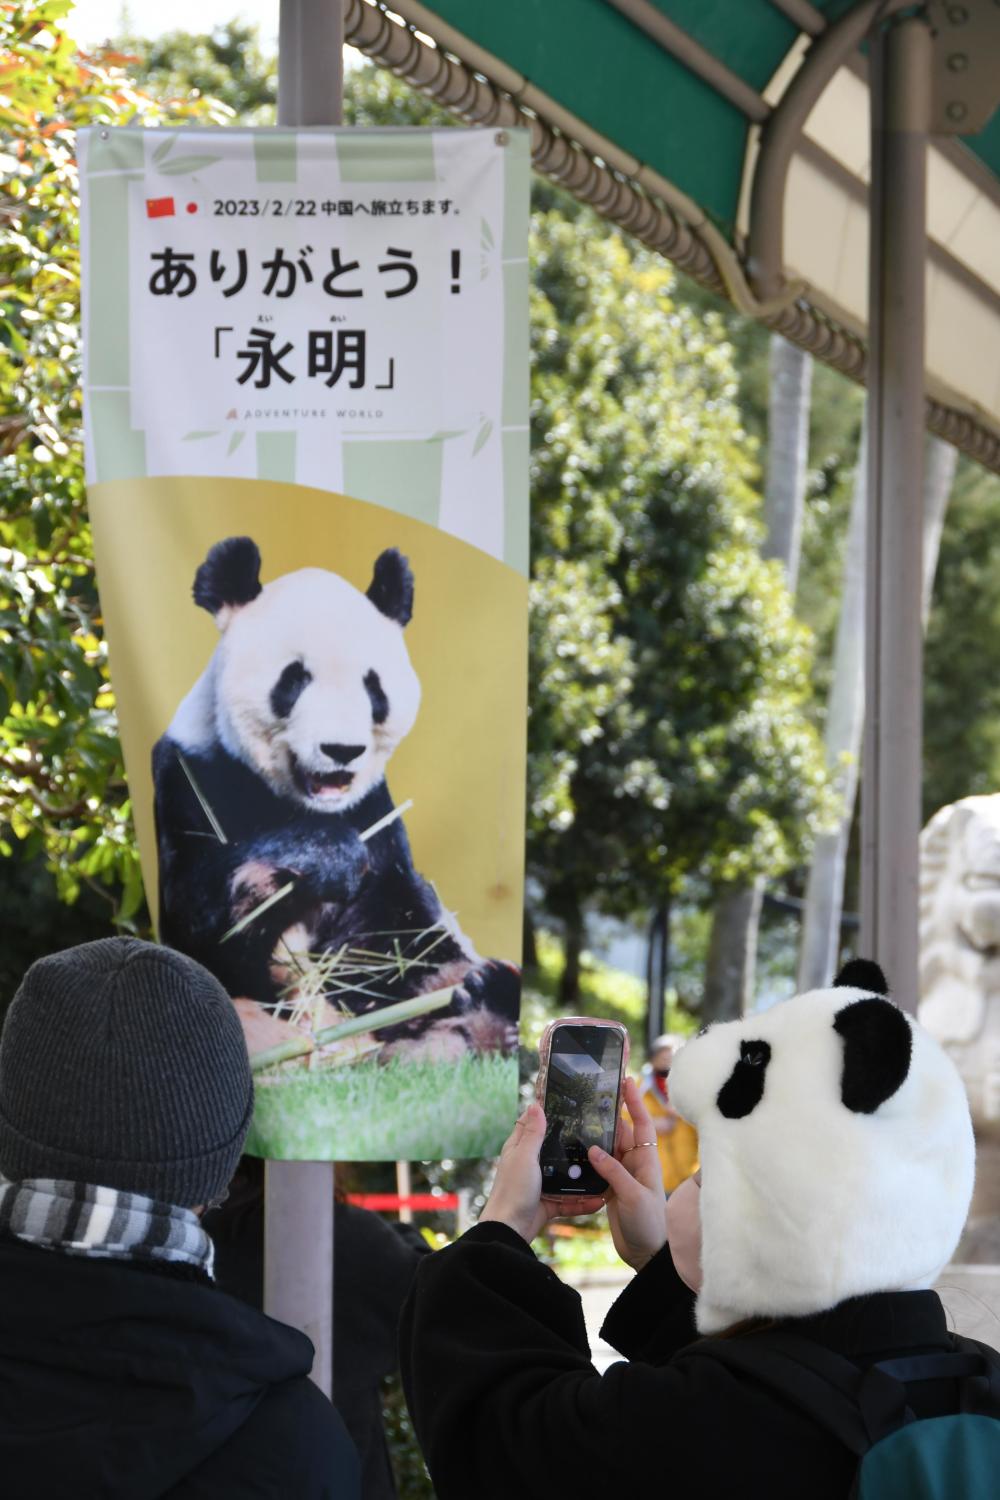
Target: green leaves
668,735
62,787
179,166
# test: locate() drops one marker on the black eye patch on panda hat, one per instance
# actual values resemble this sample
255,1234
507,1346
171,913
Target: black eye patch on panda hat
877,1047
744,1088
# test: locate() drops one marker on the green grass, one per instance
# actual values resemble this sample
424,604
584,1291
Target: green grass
395,1111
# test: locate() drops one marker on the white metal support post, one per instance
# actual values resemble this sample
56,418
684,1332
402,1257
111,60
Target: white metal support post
298,1196
901,98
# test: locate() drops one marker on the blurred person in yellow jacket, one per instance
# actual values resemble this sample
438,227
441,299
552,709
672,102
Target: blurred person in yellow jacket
676,1140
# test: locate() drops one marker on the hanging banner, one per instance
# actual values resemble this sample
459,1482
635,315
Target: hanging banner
306,408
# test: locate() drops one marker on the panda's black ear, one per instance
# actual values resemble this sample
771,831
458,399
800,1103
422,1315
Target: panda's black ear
391,588
877,1047
228,578
862,974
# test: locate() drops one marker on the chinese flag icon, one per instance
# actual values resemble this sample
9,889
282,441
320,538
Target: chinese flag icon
159,208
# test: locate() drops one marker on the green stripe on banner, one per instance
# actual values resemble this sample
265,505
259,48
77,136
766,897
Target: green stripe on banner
516,205
276,156
115,151
516,343
108,303
276,456
404,476
515,500
516,349
119,450
406,156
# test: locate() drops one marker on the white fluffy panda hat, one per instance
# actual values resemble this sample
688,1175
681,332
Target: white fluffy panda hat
836,1148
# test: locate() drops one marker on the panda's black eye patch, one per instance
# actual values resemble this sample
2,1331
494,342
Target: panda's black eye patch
379,701
286,691
744,1088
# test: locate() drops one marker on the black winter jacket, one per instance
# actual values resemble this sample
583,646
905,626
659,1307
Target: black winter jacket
118,1382
373,1266
507,1405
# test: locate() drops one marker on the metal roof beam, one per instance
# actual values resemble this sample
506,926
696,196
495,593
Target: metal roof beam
782,134
803,15
666,34
478,90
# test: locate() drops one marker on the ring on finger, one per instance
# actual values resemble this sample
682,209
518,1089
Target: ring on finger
638,1144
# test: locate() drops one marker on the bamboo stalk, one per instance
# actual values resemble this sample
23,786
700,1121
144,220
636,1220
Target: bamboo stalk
205,807
404,1010
390,817
294,1047
258,911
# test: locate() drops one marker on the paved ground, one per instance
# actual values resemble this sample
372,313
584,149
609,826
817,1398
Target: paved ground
970,1293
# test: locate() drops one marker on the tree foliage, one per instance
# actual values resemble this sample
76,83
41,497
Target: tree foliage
669,680
667,718
224,66
62,789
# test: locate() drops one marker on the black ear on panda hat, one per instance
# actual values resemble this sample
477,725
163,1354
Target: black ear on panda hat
123,1064
836,1147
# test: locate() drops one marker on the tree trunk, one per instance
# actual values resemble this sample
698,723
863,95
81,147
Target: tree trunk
529,960
790,385
569,983
732,953
820,948
790,372
820,951
657,973
940,462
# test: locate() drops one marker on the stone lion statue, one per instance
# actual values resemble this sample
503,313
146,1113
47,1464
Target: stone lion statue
960,946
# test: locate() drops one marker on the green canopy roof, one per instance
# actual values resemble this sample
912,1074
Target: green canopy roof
654,112
599,65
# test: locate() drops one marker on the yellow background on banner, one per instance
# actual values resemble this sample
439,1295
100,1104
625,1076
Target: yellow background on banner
463,763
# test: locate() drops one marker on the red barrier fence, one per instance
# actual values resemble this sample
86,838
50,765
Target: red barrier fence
393,1202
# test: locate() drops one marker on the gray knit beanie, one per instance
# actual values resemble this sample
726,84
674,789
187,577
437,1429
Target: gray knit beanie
123,1064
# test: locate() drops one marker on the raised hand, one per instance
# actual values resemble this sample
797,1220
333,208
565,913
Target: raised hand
637,1209
516,1197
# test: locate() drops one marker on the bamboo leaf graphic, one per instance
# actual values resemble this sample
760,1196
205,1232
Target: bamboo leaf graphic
187,164
165,147
485,234
190,437
482,437
234,442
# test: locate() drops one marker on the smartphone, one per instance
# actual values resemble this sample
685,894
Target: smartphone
579,1086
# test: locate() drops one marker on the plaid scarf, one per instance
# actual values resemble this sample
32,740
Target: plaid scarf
77,1218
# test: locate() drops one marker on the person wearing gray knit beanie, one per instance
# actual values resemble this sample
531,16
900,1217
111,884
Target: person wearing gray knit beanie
125,1099
123,1063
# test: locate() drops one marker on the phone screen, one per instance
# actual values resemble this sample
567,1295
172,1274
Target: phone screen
581,1106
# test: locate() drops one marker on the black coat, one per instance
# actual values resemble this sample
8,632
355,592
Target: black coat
118,1382
373,1266
506,1403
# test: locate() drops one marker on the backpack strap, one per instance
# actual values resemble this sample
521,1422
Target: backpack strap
857,1406
830,1395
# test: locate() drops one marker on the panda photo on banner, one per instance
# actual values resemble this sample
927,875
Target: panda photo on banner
285,866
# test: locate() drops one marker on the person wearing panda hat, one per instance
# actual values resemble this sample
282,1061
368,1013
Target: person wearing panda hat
837,1167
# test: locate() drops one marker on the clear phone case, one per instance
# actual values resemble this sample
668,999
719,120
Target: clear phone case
545,1049
545,1052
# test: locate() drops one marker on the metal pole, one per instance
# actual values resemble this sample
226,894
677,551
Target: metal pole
298,1255
890,827
298,1195
403,1190
311,62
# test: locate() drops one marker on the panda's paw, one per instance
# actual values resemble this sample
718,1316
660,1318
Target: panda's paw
492,989
250,884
